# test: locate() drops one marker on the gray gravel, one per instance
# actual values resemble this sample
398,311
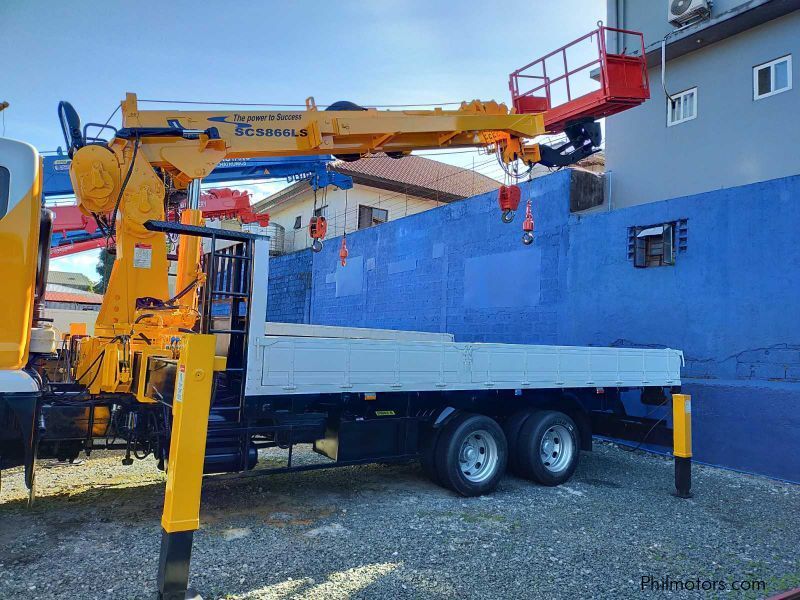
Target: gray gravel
385,532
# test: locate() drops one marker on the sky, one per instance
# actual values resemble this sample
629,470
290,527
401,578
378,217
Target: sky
90,52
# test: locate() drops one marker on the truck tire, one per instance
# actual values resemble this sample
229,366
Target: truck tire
512,427
471,455
548,448
430,442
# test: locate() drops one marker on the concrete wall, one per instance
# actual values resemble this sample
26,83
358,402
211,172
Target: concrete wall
730,302
397,205
734,140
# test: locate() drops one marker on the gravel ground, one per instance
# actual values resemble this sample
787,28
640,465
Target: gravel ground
386,532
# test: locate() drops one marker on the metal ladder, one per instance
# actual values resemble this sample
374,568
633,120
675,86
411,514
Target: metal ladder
229,277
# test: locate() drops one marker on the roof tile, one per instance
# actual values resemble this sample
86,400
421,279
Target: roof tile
432,178
86,298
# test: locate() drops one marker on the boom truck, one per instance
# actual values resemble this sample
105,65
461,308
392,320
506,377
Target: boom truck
163,376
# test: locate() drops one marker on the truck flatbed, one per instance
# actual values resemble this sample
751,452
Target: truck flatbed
322,365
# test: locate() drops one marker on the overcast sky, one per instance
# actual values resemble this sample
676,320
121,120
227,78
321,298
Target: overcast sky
91,52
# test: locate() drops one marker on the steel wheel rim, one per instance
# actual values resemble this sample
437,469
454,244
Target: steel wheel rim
478,456
556,448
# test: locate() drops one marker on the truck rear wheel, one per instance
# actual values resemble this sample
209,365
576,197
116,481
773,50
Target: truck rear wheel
548,448
471,455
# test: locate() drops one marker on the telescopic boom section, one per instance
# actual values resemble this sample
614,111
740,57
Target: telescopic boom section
352,131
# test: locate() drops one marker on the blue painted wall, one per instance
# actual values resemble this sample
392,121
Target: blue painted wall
289,294
730,302
456,269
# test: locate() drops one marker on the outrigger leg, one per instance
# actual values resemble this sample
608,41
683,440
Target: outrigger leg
181,516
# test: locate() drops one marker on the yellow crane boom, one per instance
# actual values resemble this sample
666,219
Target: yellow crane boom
126,176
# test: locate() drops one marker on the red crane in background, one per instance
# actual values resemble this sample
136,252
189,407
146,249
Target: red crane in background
223,203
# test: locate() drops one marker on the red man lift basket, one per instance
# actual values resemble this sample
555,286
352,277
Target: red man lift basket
622,81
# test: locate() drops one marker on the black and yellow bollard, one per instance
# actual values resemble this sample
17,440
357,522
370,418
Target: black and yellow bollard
181,516
682,443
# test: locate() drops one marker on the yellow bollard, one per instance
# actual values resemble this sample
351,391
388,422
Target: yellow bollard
682,443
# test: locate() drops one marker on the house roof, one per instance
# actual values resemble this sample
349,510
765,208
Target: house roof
62,293
596,163
68,278
413,175
418,176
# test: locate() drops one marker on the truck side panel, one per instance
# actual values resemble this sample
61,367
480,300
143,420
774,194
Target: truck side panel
305,365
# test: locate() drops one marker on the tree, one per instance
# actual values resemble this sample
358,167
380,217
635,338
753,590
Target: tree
103,269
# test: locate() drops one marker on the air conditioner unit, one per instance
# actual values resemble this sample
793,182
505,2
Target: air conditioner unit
681,12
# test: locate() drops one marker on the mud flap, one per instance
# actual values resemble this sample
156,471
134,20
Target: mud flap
26,409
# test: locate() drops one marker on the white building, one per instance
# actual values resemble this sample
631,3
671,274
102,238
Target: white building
384,189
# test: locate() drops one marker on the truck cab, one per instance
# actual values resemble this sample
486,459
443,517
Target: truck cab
23,265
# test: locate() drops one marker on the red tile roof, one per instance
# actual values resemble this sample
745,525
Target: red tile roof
417,176
413,175
78,296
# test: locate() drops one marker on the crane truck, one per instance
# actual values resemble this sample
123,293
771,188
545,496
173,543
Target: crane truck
165,376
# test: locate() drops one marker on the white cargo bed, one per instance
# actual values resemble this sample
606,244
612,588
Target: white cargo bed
315,365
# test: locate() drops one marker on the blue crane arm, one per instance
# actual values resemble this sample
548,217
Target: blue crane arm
314,169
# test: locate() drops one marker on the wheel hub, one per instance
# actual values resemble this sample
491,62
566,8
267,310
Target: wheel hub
469,454
556,448
478,456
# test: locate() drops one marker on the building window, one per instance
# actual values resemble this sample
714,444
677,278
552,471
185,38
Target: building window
657,245
369,216
772,78
298,222
322,211
682,107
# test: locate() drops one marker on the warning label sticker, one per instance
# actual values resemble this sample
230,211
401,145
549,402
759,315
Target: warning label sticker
142,256
179,384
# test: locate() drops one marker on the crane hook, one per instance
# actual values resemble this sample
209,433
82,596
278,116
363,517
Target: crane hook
508,198
343,252
317,228
527,225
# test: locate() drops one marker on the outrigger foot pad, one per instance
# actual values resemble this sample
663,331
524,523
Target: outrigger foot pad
173,566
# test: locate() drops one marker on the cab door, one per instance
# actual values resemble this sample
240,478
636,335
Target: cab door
20,206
